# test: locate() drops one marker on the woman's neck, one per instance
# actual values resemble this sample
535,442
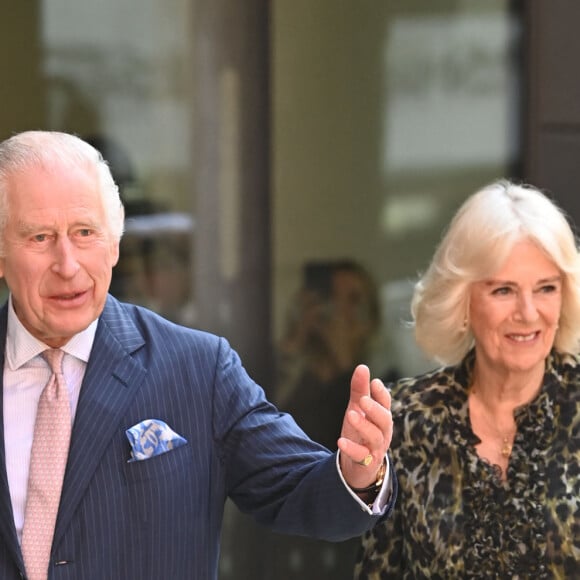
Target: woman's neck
506,390
493,397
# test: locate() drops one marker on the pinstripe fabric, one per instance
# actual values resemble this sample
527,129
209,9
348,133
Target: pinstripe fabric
161,518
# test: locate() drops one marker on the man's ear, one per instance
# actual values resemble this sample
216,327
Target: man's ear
114,253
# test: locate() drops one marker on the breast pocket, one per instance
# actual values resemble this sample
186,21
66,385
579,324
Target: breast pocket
164,468
163,489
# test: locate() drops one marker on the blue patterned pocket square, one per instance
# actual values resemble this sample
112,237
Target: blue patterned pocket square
152,437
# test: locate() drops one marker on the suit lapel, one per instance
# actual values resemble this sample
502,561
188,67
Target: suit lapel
111,381
7,529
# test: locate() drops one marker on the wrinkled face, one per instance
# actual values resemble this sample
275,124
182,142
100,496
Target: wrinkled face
514,315
58,252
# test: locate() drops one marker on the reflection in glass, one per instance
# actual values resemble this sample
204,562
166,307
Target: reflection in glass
119,76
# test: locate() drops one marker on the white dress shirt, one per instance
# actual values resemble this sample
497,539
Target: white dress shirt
25,375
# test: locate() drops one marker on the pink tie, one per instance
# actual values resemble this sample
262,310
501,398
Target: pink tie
47,465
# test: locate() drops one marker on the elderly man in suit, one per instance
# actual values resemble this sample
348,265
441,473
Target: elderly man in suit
124,433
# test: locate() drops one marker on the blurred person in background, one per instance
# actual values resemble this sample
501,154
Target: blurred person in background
329,329
331,326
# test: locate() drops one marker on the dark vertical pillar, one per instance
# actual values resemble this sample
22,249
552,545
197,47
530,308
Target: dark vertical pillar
231,176
552,137
231,166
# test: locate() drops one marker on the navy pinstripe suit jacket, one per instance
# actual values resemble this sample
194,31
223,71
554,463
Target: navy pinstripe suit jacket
161,518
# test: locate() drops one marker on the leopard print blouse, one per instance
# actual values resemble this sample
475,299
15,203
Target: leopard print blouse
455,517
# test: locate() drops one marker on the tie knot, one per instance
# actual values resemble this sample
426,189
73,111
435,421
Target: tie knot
53,357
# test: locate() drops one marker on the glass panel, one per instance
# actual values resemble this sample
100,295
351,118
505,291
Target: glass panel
119,75
386,116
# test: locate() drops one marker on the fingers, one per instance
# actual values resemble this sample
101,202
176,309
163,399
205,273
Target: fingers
357,452
381,394
375,428
359,384
371,427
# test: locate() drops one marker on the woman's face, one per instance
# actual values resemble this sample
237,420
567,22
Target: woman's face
514,314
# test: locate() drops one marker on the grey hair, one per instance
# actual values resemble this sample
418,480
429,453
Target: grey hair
32,149
478,240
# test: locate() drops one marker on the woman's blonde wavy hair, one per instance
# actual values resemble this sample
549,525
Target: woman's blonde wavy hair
477,242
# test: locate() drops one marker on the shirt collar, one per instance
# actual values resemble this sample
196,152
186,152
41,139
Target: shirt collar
21,346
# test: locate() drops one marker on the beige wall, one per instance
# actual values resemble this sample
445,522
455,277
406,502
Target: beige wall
327,98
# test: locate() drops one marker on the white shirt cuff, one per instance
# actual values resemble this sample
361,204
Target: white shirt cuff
383,497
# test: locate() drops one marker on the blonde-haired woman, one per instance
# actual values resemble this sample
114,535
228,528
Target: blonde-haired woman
487,447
